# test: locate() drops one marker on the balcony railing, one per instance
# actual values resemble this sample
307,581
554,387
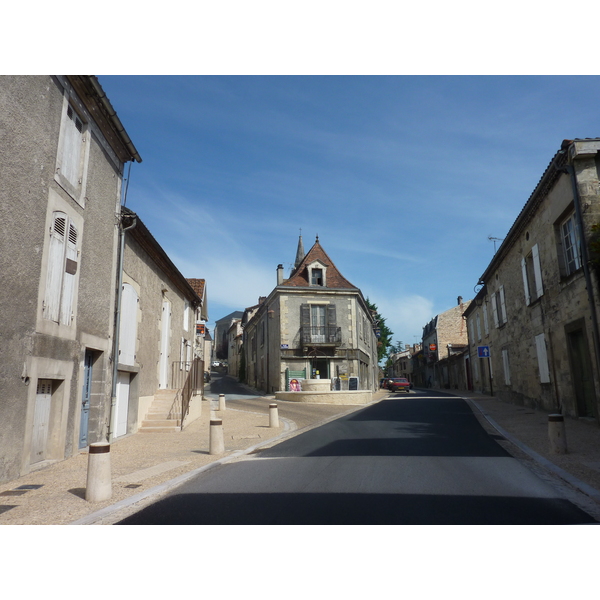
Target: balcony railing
326,335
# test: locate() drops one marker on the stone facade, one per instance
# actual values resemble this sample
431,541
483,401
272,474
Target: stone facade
444,332
536,309
62,170
159,313
314,325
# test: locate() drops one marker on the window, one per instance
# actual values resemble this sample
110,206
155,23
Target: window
499,307
318,323
571,245
62,270
316,277
532,276
542,355
72,153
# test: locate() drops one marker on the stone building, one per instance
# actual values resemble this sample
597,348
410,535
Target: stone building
313,325
63,156
444,332
159,310
537,303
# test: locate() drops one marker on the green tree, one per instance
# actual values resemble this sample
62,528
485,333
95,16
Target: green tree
385,333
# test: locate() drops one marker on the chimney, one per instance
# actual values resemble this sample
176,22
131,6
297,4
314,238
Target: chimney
279,274
459,300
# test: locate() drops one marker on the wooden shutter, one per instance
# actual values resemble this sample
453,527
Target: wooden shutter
495,310
503,304
69,277
128,325
56,257
542,355
525,281
72,147
537,270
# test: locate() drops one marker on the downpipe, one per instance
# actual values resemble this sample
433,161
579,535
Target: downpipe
113,399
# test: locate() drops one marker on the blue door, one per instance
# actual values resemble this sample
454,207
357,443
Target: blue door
85,399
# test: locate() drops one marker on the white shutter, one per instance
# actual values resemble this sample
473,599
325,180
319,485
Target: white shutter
69,277
525,282
128,325
56,257
542,355
478,328
503,304
506,366
495,311
537,270
72,146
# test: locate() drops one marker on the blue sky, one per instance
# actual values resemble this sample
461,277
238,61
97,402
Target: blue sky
403,178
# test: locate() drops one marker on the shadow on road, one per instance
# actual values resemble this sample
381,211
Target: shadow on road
356,509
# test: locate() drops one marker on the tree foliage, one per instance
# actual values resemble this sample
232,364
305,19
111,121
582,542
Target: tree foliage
385,338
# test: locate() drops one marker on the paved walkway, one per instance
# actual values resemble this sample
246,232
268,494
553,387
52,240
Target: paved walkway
147,465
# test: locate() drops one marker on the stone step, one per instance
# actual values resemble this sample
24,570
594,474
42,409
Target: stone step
158,429
161,423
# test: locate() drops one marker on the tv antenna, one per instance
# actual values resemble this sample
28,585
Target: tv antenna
495,239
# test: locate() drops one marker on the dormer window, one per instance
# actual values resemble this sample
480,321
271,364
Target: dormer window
317,274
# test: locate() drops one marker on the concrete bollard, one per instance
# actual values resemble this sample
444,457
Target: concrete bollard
222,402
99,486
557,434
216,444
273,416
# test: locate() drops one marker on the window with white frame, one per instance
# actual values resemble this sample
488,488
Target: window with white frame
499,307
571,245
532,276
61,278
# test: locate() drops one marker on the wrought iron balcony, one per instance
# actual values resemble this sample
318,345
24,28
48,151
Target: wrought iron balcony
326,335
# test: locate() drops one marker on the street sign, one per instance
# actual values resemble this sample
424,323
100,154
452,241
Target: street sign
432,347
483,351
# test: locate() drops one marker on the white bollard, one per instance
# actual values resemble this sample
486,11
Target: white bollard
216,444
557,434
99,485
222,402
273,416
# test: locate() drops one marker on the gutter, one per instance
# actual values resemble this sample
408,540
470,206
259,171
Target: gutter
103,98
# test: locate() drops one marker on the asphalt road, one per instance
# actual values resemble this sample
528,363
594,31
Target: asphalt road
417,459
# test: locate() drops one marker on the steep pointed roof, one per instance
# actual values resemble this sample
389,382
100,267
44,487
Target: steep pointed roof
299,276
299,253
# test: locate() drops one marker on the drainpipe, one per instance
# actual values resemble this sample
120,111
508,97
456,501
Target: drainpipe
568,168
113,399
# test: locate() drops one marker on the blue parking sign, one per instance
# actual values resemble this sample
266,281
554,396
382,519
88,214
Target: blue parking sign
483,351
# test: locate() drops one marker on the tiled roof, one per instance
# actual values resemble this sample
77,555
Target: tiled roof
334,279
197,286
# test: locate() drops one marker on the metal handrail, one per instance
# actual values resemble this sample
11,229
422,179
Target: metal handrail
189,375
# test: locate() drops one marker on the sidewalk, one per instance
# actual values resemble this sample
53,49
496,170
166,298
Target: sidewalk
526,432
146,465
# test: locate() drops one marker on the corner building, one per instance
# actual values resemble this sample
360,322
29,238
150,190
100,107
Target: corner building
313,325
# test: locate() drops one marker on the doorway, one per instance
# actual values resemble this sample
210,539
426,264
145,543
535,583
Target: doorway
581,372
41,420
86,395
319,368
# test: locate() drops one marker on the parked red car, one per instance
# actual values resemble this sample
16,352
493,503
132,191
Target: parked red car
398,384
